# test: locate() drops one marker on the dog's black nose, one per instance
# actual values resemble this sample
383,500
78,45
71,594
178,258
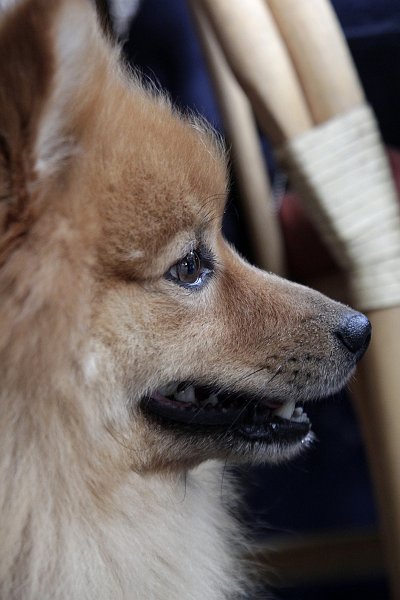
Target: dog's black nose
355,333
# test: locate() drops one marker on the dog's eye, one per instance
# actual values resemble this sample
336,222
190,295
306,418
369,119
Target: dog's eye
188,270
191,271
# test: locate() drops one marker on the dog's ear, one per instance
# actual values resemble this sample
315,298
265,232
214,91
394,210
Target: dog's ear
51,53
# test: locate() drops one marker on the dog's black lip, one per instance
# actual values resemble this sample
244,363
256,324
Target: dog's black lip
251,422
194,415
276,430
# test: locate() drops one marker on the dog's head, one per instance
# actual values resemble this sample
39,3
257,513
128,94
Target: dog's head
126,316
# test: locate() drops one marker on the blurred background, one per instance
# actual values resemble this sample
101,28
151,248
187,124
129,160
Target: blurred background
327,491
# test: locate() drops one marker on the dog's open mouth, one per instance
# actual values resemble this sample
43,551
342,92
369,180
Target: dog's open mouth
199,409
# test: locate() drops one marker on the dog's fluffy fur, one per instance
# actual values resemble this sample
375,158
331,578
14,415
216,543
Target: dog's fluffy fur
103,188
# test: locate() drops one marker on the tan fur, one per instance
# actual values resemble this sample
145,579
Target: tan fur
103,188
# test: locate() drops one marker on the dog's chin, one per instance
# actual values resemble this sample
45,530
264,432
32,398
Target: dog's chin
226,425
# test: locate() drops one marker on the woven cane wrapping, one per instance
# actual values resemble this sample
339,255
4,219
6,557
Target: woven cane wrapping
342,173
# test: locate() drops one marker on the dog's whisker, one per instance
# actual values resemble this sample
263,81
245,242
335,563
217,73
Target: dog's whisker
240,379
278,370
129,447
240,414
223,474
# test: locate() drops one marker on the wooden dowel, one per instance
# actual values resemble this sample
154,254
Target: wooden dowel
259,59
377,396
248,160
320,54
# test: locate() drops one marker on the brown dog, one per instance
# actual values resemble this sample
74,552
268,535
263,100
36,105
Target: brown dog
138,352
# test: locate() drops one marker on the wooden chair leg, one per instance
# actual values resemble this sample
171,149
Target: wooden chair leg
246,152
378,405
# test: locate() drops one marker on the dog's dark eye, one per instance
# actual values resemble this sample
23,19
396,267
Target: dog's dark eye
191,271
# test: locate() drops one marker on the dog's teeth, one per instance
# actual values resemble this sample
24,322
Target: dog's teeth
169,389
286,410
180,396
186,395
190,395
300,415
212,400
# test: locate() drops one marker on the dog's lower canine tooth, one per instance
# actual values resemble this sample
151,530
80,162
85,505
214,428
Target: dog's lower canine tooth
212,399
286,410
